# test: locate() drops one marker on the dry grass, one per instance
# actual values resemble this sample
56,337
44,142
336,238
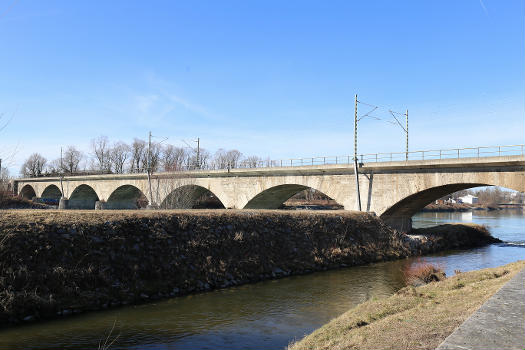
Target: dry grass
422,273
87,260
413,318
101,216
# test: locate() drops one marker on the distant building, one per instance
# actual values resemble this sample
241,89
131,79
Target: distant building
451,200
469,199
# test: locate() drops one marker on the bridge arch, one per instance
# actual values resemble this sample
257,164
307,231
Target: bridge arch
51,192
191,197
402,205
27,192
126,197
83,197
274,197
413,203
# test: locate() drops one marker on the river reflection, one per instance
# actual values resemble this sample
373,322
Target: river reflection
266,315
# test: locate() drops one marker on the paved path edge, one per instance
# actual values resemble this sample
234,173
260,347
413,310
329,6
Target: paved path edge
499,324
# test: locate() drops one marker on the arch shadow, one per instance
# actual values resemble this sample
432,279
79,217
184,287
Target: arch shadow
51,192
126,197
83,197
274,197
191,197
27,192
51,195
412,204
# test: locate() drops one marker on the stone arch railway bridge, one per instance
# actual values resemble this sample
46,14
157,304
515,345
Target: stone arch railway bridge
394,190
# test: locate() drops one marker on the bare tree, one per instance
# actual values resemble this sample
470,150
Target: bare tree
490,195
227,159
53,167
4,175
34,165
5,187
6,159
220,160
233,157
153,157
250,162
100,148
71,159
119,154
138,153
174,158
204,159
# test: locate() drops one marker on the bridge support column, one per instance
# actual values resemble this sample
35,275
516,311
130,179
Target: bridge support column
64,203
99,205
400,223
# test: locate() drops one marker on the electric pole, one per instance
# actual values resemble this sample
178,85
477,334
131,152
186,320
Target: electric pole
197,163
61,172
198,152
149,170
358,195
406,119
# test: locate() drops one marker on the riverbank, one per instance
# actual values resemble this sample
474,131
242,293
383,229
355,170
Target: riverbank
463,207
413,318
58,263
12,202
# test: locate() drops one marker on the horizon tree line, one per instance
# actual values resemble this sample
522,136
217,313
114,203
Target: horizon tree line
119,157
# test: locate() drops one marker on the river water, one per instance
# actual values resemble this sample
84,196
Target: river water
265,315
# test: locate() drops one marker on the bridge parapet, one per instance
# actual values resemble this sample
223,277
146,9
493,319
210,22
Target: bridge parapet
324,169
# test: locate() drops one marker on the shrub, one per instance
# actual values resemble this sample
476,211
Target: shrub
423,273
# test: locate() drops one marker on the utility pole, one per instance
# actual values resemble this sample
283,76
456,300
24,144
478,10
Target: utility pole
197,163
406,115
61,172
358,195
198,152
149,170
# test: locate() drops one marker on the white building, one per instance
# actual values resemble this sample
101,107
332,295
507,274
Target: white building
470,199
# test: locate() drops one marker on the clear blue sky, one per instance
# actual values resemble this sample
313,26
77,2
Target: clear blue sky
270,78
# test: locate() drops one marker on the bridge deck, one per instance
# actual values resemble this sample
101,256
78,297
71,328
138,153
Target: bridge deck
327,169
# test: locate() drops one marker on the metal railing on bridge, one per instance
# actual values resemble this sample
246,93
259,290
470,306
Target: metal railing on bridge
451,153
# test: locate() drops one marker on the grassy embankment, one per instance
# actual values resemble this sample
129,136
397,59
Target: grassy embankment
65,262
62,262
413,318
